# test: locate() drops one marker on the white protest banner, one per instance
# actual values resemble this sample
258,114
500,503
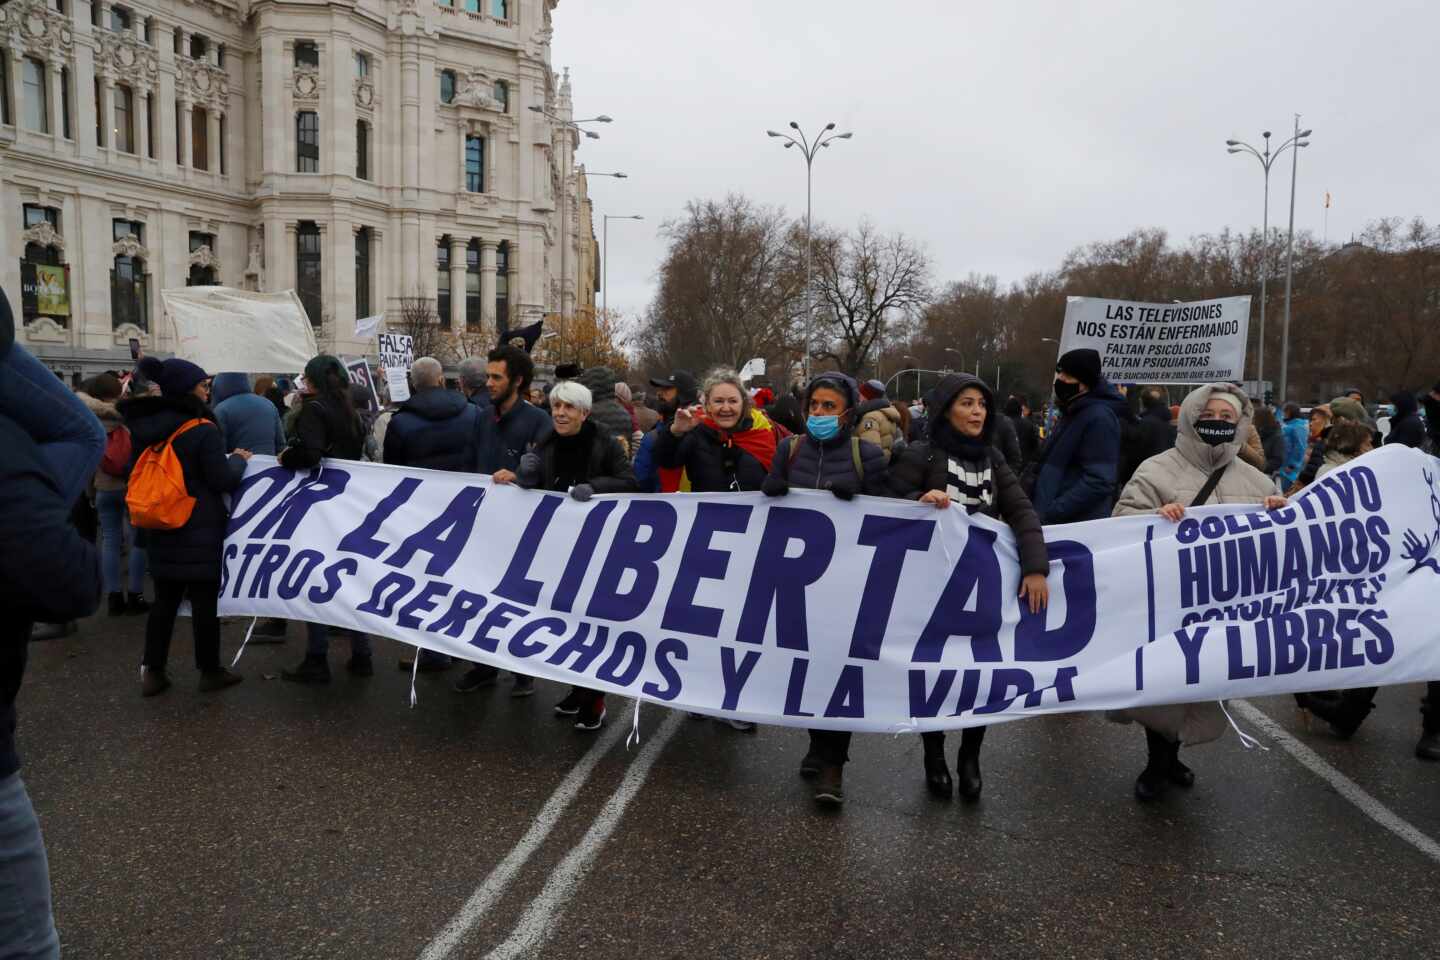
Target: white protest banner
752,369
397,384
365,327
359,371
868,615
226,330
397,350
1200,342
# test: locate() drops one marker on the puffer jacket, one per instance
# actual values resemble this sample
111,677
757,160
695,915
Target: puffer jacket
878,422
711,460
1176,476
803,461
438,429
1073,478
191,553
607,413
323,429
924,466
247,421
607,467
110,421
1297,440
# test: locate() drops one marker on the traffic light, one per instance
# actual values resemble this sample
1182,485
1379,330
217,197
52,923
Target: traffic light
1269,398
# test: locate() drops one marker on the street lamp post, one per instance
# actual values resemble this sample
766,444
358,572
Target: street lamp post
808,149
1290,264
605,255
1266,159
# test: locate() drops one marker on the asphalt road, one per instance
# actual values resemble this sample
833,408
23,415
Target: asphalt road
281,822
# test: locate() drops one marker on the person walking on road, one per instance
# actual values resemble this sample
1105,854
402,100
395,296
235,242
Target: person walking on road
828,457
119,544
574,456
1073,478
959,465
185,561
1203,468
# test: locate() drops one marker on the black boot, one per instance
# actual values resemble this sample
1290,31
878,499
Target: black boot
811,763
1345,713
830,787
1429,746
1180,775
937,771
115,604
312,669
1151,783
967,765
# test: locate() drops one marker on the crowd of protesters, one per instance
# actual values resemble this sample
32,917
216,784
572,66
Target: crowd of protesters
1103,452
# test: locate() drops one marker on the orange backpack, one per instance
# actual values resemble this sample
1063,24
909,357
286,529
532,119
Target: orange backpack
157,497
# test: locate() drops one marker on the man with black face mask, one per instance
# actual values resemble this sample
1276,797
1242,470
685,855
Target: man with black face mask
1073,478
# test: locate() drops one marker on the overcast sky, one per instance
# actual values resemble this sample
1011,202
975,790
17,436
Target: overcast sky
1001,135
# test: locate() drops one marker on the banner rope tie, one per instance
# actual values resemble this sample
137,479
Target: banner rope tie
904,726
249,630
634,727
414,669
1246,741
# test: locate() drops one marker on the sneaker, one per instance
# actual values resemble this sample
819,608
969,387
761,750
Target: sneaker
524,686
570,706
154,682
477,678
212,680
115,604
136,604
362,666
592,714
309,670
745,726
829,789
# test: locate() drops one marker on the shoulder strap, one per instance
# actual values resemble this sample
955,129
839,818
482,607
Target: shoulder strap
1211,483
791,453
184,427
855,455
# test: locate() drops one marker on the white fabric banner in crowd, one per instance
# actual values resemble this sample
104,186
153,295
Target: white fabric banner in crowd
1200,342
365,327
242,331
870,615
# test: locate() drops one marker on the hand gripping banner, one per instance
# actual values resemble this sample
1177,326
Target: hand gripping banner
869,615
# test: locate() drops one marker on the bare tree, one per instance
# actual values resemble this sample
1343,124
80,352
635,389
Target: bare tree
864,281
419,320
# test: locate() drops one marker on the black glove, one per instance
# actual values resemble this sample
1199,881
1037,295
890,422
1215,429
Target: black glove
774,486
529,473
582,492
844,489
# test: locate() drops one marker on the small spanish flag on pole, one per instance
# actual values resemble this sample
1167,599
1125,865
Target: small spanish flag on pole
1327,199
1325,230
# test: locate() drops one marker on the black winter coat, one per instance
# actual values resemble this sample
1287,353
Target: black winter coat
817,464
1148,436
517,432
1029,436
711,464
191,553
323,428
1273,443
606,466
1005,438
438,429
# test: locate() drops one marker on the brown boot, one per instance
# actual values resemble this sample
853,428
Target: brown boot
829,787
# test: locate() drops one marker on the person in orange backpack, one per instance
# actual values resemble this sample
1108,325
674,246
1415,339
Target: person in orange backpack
183,540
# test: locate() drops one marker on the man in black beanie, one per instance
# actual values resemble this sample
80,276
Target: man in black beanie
1073,478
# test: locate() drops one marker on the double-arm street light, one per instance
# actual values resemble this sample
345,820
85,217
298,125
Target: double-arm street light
1266,159
605,256
808,149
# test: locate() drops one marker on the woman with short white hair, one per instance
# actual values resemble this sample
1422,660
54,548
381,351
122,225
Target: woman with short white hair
573,457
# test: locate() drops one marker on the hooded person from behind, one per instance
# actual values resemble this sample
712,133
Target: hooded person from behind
1074,476
247,421
607,414
438,428
1406,427
878,422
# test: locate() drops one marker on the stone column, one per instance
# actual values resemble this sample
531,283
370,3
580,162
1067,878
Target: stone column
327,281
340,257
381,289
187,143
338,147
274,119
164,119
410,121
457,284
142,122
56,101
487,283
285,274
106,108
212,139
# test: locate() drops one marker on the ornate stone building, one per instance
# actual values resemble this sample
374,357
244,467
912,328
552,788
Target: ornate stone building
359,151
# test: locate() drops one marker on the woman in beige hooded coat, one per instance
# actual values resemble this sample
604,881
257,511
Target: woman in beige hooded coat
1214,419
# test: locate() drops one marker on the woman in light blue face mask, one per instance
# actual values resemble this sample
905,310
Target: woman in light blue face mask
828,457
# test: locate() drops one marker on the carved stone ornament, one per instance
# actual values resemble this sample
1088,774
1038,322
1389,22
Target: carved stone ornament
477,89
206,84
365,95
43,234
39,29
202,256
307,83
126,59
45,330
130,246
123,334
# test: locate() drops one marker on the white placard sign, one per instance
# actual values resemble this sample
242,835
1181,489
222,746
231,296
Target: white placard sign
397,350
1199,342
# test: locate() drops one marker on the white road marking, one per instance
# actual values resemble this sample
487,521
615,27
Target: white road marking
539,920
1343,785
490,891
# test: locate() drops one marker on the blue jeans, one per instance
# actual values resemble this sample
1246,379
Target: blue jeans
27,927
115,530
69,436
317,641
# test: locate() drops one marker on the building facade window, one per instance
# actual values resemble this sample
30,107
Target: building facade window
65,104
472,285
199,46
307,54
362,273
442,279
129,293
179,141
36,106
447,86
220,126
177,37
99,117
362,65
200,138
362,150
44,279
148,29
500,9
201,276
124,119
308,281
150,125
119,20
307,141
475,163
502,283
5,117
219,54
502,93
